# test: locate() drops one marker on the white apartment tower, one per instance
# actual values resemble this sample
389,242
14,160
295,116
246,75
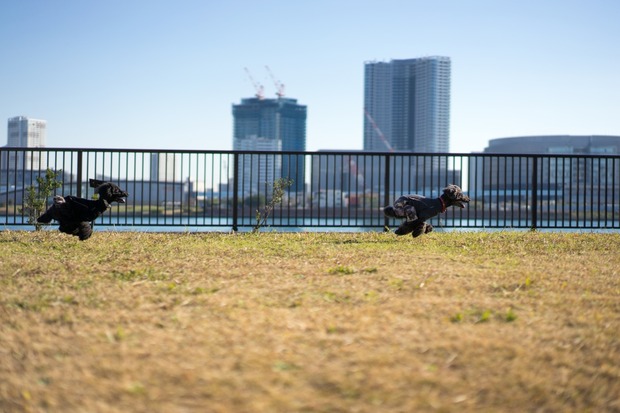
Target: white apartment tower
407,105
24,132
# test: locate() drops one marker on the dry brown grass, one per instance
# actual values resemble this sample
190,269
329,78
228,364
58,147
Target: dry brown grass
131,322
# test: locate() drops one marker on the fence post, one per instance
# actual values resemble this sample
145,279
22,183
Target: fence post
534,205
79,174
235,191
386,196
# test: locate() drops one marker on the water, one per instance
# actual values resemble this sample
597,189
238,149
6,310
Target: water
215,224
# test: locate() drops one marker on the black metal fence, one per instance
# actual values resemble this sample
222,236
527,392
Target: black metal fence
209,190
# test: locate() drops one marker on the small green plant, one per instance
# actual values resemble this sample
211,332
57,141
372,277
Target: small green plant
474,316
396,283
283,366
457,318
510,316
119,334
136,388
279,188
341,269
371,296
36,197
484,316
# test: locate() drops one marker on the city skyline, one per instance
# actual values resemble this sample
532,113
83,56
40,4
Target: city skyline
156,75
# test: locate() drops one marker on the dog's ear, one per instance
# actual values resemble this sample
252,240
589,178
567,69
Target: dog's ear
103,190
95,183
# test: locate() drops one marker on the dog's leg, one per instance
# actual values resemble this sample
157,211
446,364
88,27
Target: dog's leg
408,227
404,228
424,229
85,230
419,229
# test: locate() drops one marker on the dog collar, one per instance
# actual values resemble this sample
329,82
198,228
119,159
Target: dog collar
443,205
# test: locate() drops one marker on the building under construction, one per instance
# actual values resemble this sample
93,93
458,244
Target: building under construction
281,120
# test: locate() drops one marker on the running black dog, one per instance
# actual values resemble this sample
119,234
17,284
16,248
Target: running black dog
416,209
75,215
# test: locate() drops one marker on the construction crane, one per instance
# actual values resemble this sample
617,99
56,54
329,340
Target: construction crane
260,90
279,85
378,131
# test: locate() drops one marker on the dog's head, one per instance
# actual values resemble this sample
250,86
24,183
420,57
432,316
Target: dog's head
453,195
108,191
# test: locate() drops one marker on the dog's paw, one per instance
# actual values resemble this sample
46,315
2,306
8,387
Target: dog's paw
423,229
405,228
417,232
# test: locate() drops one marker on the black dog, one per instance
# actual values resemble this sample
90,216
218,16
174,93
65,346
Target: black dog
75,215
416,209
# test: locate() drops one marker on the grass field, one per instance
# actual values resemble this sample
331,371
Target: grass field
270,322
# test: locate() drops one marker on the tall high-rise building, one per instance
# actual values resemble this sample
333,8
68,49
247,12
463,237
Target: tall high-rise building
407,105
281,119
24,132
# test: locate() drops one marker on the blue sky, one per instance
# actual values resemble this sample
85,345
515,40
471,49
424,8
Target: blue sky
164,74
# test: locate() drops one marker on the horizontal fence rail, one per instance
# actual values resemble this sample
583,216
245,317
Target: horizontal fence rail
210,190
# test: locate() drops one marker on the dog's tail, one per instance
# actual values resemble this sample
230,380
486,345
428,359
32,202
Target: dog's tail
45,218
389,212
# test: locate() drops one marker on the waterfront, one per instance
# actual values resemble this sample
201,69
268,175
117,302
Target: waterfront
214,224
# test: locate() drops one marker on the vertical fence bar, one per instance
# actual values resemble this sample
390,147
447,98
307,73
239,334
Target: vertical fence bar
80,164
534,205
386,184
235,205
